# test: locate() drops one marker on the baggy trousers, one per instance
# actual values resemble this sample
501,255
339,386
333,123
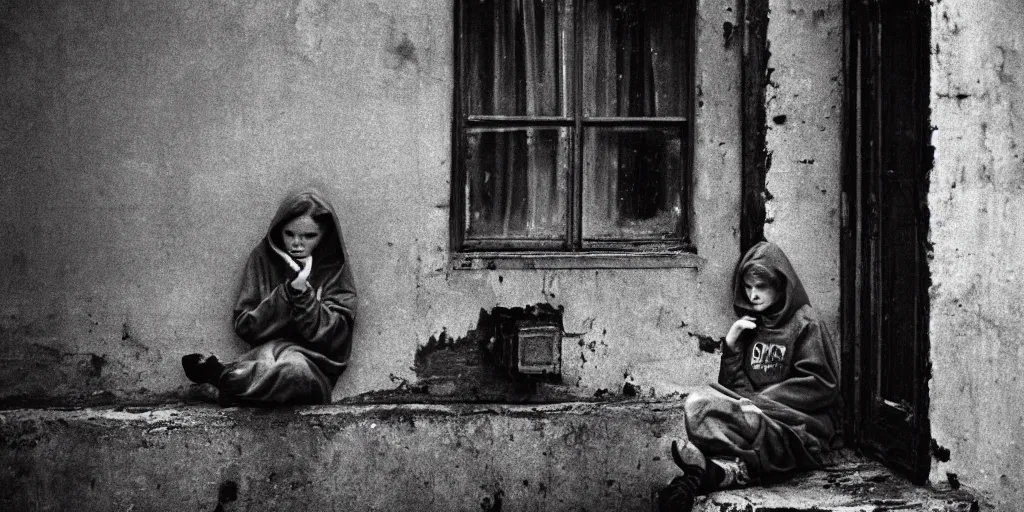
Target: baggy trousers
280,372
727,425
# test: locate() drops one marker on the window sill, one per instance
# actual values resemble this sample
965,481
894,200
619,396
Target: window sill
580,260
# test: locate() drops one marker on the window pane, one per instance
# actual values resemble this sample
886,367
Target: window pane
634,58
631,183
516,182
514,57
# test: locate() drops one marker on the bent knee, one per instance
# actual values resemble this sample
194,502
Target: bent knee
698,401
708,404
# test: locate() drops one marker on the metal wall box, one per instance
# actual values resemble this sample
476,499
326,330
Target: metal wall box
537,350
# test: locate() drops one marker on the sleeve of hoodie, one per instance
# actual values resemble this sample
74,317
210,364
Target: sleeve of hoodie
813,381
262,308
325,321
730,372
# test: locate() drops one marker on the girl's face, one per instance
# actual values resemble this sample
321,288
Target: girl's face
761,294
300,236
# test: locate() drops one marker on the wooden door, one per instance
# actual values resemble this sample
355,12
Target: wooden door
886,277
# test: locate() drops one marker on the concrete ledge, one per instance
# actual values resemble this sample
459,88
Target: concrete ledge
408,457
574,456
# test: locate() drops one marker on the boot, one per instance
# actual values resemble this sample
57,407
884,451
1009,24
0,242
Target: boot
202,370
679,494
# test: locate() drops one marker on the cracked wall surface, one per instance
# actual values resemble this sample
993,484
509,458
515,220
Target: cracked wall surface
976,199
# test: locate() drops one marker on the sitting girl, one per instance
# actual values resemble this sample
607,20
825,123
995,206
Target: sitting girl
296,307
774,408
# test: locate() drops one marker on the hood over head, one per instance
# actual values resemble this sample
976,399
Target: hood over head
791,293
331,248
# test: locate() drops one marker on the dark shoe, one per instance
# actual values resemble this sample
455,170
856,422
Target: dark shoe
202,370
678,495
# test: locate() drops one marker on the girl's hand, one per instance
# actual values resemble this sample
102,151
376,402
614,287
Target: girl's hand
732,339
299,283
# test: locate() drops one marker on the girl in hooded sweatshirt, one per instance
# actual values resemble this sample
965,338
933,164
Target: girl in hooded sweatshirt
774,408
296,306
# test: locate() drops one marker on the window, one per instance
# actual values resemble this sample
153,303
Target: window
571,129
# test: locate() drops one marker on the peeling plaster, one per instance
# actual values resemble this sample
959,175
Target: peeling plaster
976,203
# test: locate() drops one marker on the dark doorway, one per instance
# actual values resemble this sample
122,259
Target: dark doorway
885,267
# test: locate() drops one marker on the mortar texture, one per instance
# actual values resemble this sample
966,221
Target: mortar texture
145,146
977,206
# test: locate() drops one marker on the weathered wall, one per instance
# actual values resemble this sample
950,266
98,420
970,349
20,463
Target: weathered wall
977,206
803,101
145,145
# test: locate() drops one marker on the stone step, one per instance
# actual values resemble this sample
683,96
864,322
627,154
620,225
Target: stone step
849,486
472,457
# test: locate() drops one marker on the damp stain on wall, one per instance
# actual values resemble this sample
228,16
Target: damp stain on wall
402,51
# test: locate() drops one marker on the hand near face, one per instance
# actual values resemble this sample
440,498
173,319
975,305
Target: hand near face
300,281
744,323
287,259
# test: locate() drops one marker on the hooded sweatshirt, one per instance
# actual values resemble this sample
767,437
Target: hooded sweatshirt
320,317
789,365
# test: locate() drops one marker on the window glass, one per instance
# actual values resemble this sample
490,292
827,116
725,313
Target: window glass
631,187
550,162
632,58
515,65
517,185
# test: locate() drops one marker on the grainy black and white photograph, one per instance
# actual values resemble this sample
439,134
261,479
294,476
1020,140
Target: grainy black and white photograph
512,255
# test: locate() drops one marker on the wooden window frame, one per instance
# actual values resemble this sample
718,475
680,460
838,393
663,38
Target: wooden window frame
574,251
